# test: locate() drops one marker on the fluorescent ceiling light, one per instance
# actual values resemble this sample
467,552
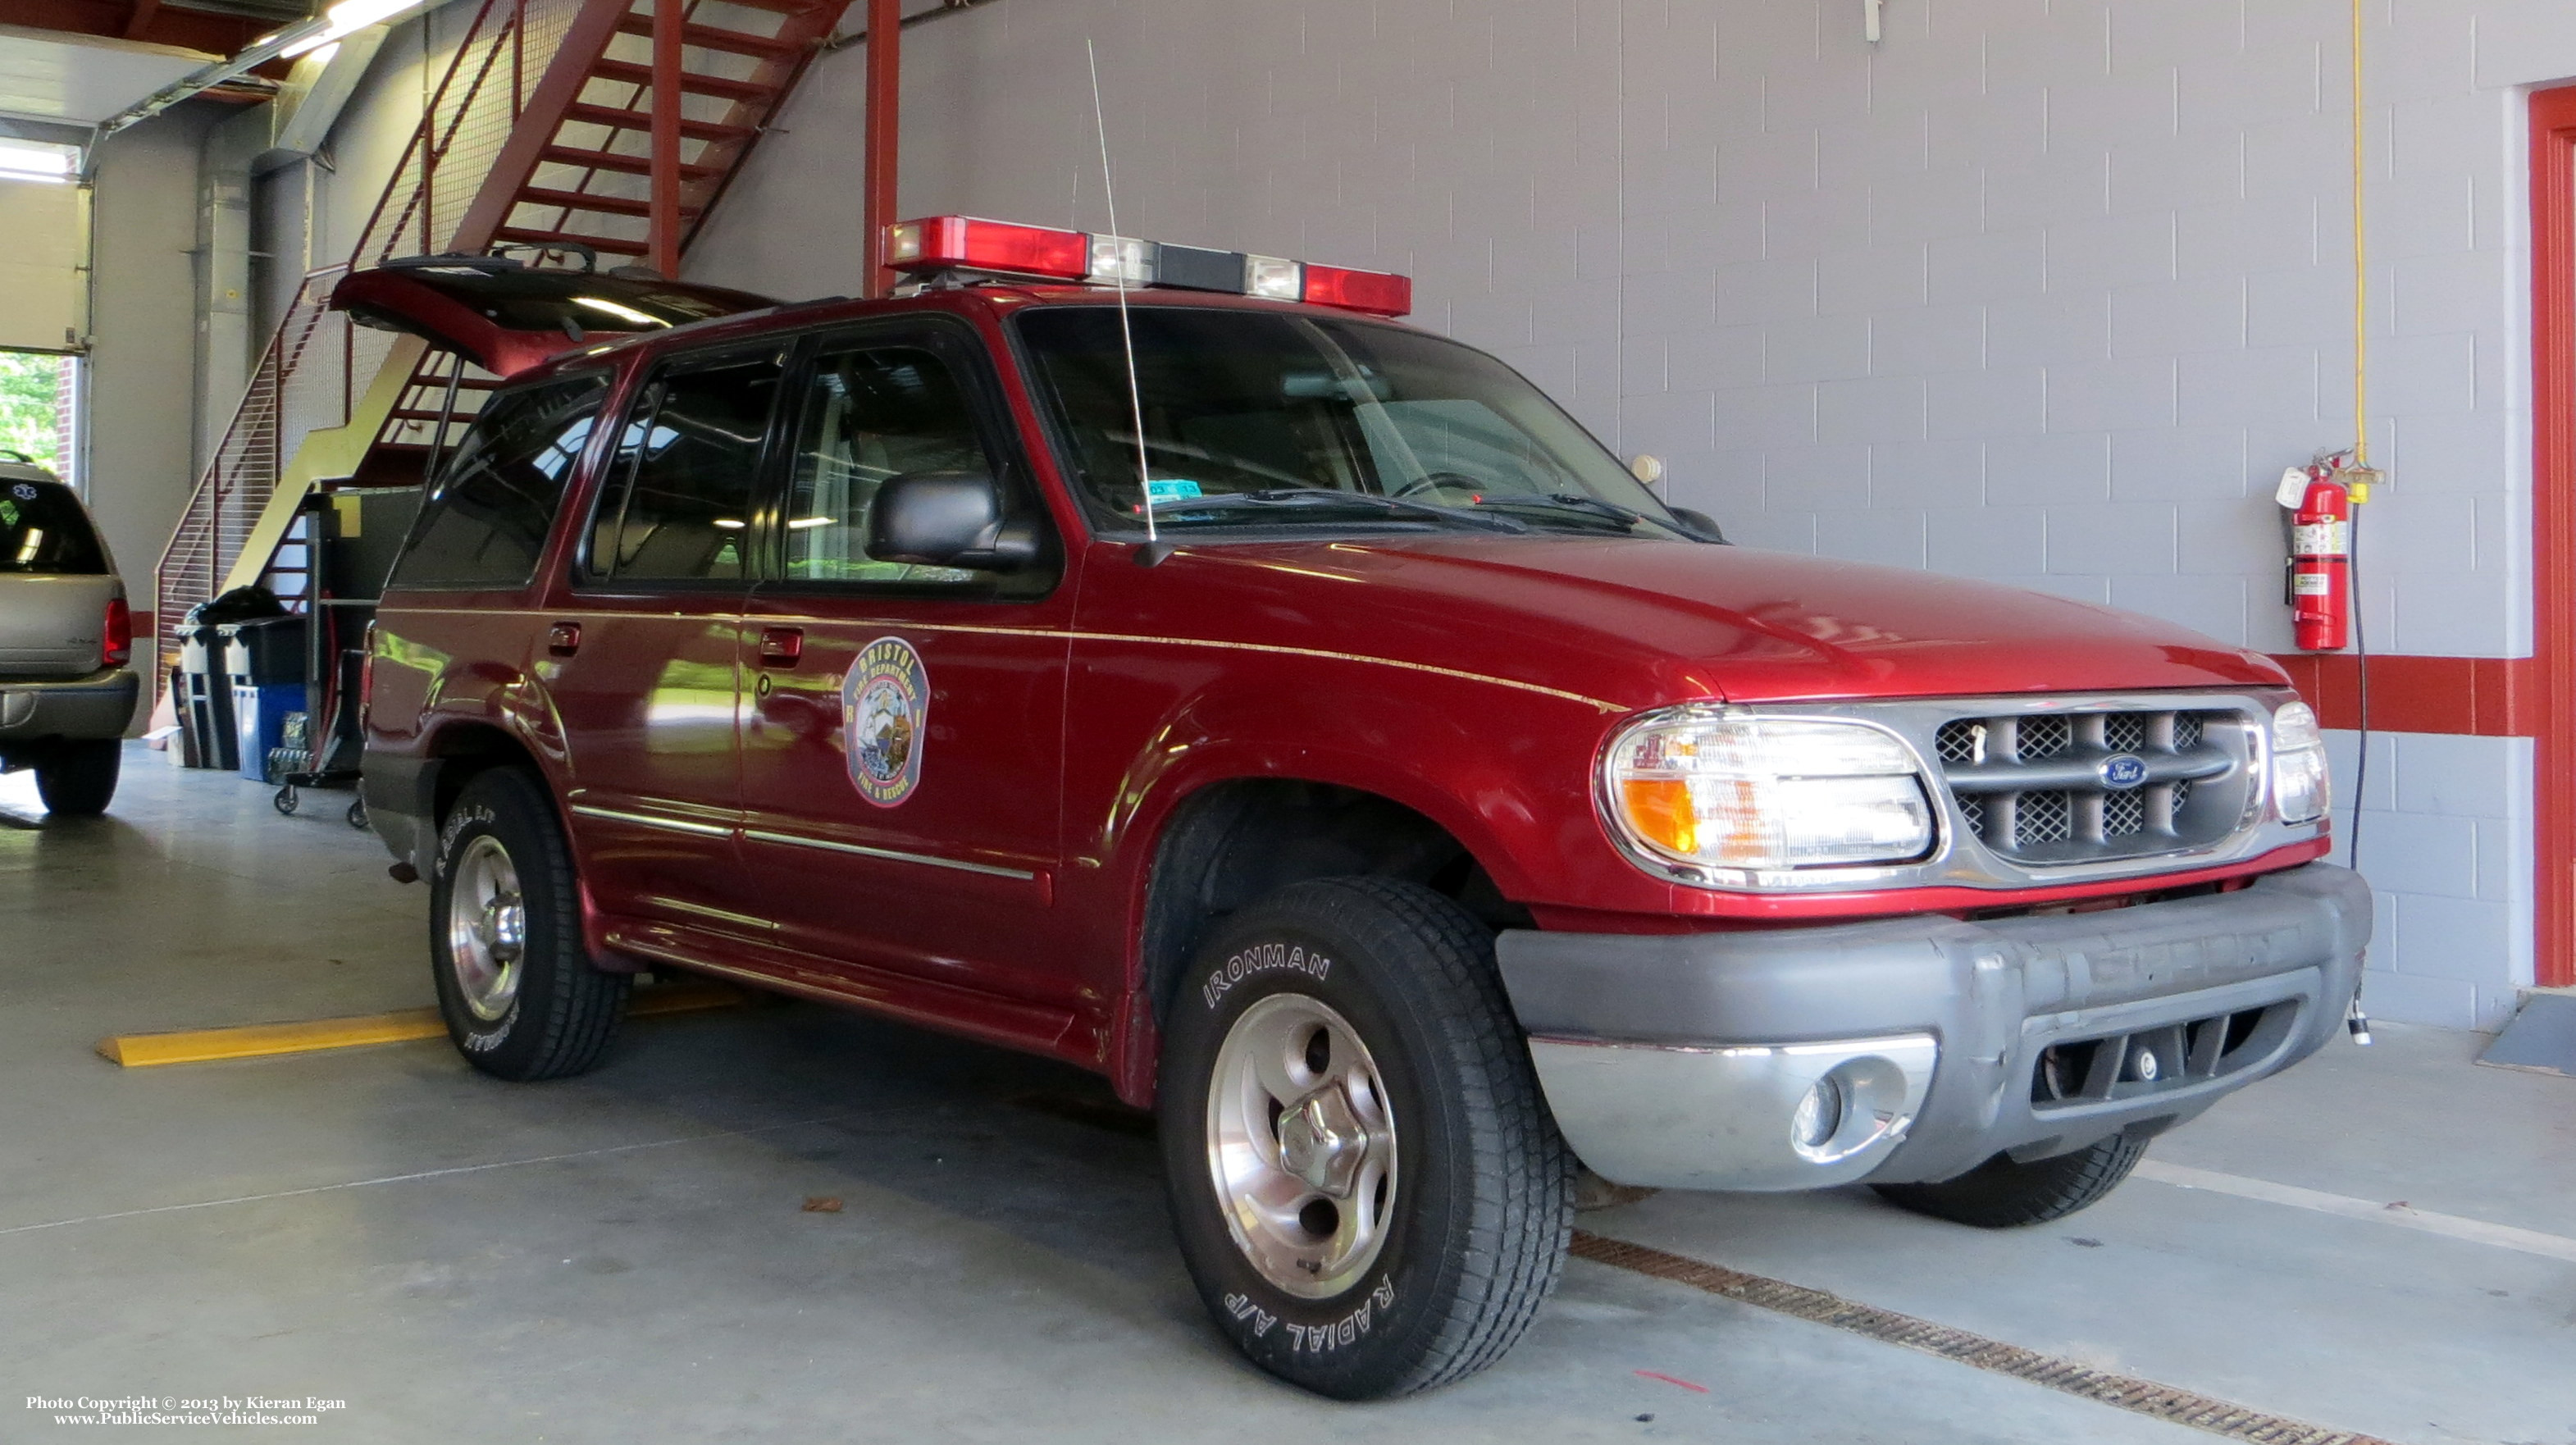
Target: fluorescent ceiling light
346,18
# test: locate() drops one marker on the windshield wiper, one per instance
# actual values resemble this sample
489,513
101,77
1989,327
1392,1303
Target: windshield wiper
1565,503
1314,498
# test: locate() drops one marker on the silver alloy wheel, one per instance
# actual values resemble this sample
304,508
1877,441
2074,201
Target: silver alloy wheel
1301,1145
487,928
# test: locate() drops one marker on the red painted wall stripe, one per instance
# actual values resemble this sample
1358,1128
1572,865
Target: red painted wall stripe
2486,697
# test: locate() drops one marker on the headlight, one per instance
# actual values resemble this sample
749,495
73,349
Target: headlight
1718,789
2301,788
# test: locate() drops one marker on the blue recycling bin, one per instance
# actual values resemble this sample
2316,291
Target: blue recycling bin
264,660
259,715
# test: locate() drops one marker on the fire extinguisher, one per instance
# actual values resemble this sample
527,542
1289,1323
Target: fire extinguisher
2321,560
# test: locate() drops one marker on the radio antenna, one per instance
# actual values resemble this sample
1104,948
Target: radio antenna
1118,273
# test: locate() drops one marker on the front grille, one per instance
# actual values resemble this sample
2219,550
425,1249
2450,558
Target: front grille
2046,816
2152,1061
2055,787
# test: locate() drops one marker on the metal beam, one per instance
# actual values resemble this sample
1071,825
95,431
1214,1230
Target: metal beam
885,102
663,225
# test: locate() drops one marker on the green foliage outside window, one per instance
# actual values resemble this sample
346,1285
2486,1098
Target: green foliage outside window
27,383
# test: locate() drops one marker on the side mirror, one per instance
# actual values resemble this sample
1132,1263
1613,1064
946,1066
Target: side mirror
1699,524
948,519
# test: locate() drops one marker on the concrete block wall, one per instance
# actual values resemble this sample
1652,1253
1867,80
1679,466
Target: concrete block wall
140,370
2446,841
2043,291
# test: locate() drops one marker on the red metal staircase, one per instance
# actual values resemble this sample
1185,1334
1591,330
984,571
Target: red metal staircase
538,135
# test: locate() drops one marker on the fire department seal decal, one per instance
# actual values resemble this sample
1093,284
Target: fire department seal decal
885,704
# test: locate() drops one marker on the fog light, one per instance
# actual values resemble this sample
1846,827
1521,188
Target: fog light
1819,1116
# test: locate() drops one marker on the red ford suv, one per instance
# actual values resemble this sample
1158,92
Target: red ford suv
1157,659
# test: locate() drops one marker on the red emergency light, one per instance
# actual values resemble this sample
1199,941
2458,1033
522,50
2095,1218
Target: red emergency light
969,243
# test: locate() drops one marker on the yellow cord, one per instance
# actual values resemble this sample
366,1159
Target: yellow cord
2360,279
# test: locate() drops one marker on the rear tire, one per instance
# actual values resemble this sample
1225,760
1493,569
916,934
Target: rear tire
1367,1187
2000,1194
77,779
515,982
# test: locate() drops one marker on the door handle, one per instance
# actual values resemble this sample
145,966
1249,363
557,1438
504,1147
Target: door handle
782,646
564,639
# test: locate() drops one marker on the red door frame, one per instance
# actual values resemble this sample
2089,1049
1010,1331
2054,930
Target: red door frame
2553,526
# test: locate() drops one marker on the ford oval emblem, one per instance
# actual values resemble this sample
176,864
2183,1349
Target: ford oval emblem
2122,771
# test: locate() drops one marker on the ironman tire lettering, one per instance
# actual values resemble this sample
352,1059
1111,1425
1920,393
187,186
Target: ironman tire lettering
1368,1190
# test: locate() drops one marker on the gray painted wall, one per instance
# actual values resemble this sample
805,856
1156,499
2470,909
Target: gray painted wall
141,368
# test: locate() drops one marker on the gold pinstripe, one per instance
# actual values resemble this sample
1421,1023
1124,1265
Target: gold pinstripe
1069,635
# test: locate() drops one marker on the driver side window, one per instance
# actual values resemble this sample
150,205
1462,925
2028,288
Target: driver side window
871,413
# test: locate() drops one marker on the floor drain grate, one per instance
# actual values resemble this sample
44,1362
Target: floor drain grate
2144,1397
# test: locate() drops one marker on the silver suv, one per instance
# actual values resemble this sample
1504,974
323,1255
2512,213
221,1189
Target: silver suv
66,639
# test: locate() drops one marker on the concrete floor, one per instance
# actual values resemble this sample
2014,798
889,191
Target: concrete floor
623,1258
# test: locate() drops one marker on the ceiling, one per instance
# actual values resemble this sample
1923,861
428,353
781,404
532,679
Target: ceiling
77,62
81,79
220,27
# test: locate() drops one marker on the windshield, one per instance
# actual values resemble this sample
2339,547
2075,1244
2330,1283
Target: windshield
44,530
1257,419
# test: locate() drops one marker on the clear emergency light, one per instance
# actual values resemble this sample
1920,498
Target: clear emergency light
968,243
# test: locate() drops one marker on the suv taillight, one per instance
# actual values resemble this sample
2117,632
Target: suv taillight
117,633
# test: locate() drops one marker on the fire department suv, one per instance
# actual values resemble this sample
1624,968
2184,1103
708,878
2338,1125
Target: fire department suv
1157,659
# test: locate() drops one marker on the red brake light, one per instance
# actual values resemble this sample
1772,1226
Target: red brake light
118,633
1377,292
938,242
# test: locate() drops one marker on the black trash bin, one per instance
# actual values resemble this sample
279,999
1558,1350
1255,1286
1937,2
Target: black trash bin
207,714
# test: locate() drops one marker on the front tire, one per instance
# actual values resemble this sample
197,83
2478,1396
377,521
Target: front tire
77,779
1367,1186
515,983
2000,1194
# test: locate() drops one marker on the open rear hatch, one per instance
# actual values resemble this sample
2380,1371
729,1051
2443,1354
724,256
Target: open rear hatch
505,315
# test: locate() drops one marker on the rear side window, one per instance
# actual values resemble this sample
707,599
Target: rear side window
677,506
43,530
485,522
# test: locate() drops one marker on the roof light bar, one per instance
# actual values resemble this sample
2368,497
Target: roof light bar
941,242
968,243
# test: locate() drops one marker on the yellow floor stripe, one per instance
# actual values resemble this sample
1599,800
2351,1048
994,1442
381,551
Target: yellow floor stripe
251,1041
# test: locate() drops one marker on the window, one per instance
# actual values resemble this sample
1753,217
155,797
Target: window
486,517
677,507
871,414
1254,419
43,530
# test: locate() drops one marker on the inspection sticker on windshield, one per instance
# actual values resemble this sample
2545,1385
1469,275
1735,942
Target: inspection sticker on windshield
1172,489
885,704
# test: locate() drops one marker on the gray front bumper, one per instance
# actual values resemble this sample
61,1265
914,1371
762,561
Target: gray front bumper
97,706
1680,1060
